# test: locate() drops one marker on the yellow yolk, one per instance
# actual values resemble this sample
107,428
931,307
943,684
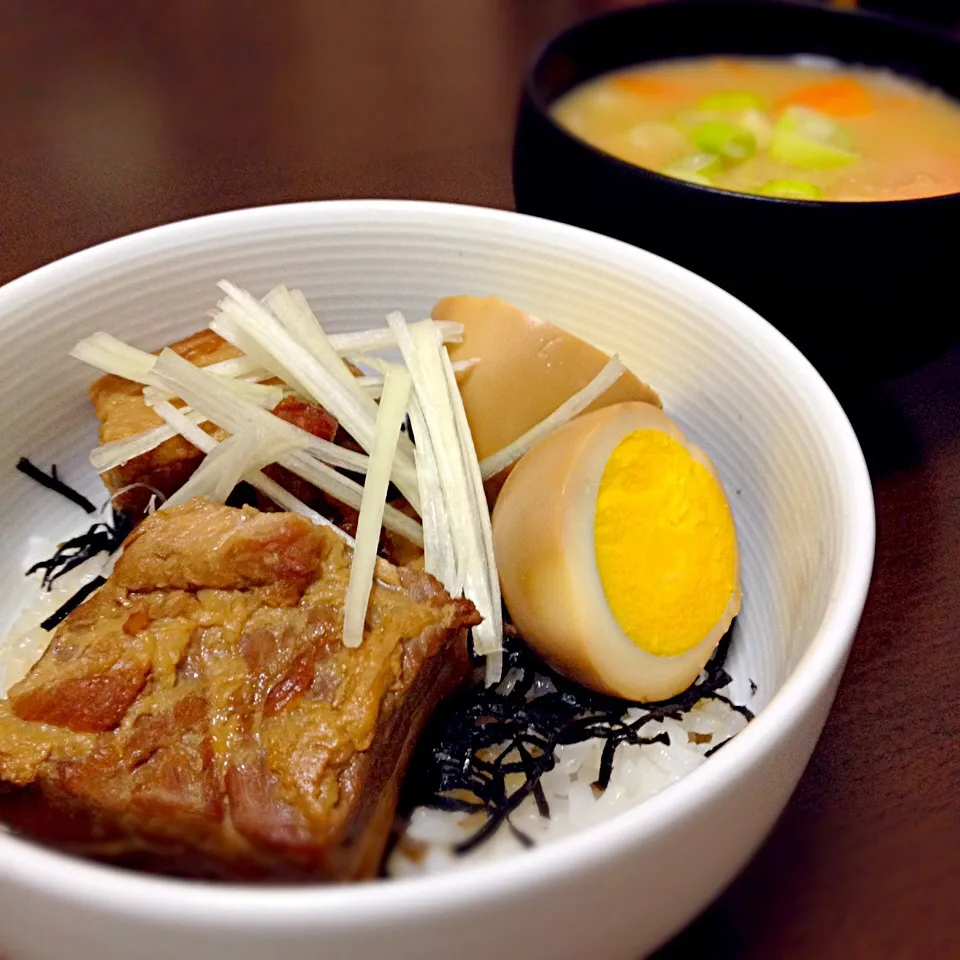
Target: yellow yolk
665,543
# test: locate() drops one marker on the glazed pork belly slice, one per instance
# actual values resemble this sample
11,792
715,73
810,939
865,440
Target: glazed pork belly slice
200,716
122,412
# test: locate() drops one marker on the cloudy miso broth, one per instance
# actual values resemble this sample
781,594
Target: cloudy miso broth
800,128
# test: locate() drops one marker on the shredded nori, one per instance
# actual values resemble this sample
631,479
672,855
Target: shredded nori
53,482
482,736
101,537
65,609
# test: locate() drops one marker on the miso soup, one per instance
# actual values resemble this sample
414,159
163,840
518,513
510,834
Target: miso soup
799,128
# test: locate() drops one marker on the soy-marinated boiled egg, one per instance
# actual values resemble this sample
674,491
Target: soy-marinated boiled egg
617,552
527,368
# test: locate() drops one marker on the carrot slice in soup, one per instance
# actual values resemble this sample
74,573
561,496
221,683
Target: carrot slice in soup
645,86
837,98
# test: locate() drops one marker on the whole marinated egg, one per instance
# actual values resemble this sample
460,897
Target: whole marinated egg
617,552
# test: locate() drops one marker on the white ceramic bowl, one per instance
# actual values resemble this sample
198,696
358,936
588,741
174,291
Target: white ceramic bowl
787,454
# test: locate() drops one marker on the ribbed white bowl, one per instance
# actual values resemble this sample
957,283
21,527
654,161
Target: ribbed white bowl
788,457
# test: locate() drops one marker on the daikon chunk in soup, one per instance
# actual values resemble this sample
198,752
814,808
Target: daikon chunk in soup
798,128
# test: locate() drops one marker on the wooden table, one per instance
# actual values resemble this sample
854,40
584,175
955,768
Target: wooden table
119,116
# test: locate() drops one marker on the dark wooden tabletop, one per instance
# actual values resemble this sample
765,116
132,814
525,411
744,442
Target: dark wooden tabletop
118,116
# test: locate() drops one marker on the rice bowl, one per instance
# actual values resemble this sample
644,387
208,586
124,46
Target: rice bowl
780,440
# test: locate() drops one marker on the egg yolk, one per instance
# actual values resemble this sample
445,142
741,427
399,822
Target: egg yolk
665,543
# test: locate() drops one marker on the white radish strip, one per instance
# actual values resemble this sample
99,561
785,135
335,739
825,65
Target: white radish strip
297,362
308,329
260,481
492,465
290,307
181,423
294,313
349,492
176,375
378,363
334,455
260,324
205,393
464,366
373,385
393,405
107,353
113,454
438,556
226,326
383,338
219,472
110,455
285,499
421,348
493,668
111,355
222,469
239,367
259,393
489,634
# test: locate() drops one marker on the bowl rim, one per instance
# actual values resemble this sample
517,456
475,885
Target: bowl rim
531,92
201,904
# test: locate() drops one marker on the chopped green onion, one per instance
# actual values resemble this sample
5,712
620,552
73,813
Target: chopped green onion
689,175
728,140
759,124
815,125
694,168
811,140
800,151
791,190
734,100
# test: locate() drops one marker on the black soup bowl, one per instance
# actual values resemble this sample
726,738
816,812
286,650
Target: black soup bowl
866,290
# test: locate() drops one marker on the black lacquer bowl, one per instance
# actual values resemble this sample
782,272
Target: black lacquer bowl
864,289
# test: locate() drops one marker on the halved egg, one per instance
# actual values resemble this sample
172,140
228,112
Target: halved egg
617,552
528,367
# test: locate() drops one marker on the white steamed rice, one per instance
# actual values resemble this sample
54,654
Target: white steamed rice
639,771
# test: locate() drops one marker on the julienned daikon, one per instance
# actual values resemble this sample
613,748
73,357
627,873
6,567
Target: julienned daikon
203,393
258,480
296,356
466,518
393,408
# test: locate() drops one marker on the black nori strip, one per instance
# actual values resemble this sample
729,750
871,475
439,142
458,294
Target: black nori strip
52,482
61,614
717,746
481,736
606,763
102,537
